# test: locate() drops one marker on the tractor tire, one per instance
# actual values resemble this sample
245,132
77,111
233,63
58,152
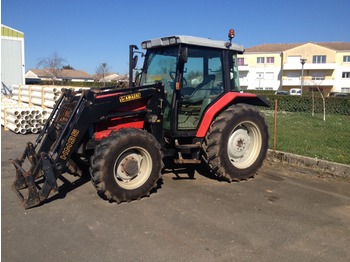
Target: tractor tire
126,165
236,143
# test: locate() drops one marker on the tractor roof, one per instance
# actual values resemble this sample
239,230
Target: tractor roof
190,40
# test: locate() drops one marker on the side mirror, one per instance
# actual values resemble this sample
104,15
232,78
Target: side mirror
183,55
134,61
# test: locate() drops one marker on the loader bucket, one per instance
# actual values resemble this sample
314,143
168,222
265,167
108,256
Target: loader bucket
39,172
39,176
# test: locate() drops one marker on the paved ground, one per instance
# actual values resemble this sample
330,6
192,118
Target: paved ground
282,215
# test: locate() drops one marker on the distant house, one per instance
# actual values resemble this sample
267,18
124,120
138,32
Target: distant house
113,77
63,75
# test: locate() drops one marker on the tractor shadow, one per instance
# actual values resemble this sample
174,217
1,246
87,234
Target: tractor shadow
180,172
188,172
68,185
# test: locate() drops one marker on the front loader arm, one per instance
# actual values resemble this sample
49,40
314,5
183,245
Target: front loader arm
58,139
74,114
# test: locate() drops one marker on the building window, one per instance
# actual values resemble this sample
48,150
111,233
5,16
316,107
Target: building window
318,75
260,60
268,88
346,59
240,61
270,60
345,75
319,59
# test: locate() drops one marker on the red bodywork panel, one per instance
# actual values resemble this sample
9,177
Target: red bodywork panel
217,107
104,128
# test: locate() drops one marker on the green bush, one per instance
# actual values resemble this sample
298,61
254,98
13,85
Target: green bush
334,105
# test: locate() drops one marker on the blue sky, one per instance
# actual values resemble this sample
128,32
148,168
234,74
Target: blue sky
87,33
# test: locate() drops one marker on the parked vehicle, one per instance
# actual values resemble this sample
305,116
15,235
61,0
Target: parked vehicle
295,92
339,94
281,92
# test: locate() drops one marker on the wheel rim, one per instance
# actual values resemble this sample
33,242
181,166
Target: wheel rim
132,168
244,144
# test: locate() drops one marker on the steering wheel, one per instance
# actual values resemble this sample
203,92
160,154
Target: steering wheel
172,76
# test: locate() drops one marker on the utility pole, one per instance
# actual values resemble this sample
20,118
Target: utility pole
302,61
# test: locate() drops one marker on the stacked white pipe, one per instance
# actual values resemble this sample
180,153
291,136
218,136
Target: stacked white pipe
44,96
29,107
22,118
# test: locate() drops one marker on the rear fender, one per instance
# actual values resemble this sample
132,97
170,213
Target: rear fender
226,100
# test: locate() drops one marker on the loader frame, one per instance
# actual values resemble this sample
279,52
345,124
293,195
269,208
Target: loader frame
74,114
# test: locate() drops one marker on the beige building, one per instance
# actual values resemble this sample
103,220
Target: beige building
279,67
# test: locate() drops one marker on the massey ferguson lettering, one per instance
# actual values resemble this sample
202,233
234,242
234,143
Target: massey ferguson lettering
70,142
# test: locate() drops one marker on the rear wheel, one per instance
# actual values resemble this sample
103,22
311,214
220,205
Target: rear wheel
237,142
126,165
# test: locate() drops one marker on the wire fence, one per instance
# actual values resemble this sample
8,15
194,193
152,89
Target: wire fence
310,126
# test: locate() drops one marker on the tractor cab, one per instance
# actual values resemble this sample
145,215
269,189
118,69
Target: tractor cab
195,73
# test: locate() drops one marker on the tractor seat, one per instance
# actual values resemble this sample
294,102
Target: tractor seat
201,91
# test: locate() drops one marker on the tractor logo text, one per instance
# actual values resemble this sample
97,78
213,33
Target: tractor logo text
130,97
68,147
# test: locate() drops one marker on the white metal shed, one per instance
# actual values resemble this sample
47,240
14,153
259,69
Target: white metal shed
12,56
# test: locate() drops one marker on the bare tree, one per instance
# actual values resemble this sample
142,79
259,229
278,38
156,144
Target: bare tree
102,71
317,84
53,64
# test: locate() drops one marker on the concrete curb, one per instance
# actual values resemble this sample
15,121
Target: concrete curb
322,166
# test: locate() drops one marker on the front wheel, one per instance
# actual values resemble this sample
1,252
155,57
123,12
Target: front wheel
126,165
237,142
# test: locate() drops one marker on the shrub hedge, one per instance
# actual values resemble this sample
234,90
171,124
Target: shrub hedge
84,84
334,105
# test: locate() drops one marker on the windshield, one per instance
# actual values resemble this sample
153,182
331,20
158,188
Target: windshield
160,65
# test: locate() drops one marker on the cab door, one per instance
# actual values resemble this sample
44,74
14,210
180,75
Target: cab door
202,83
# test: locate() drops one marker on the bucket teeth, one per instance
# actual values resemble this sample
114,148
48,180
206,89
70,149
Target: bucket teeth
32,199
29,179
20,182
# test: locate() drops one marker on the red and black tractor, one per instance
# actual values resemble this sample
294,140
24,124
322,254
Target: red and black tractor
184,106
